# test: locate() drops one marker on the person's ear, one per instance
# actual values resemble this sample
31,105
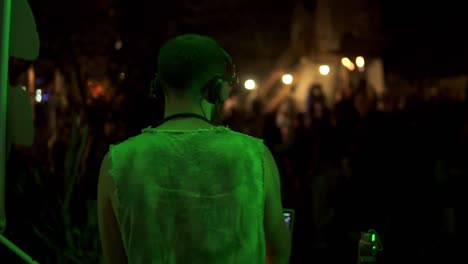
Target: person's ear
224,92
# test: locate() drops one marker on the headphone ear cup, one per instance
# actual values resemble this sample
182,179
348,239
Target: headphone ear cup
214,88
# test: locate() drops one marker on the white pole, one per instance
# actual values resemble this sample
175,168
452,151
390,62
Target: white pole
5,27
4,55
17,250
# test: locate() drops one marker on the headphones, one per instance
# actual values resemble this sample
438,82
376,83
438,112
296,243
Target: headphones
212,88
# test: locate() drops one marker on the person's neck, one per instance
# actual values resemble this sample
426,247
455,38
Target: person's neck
184,107
180,106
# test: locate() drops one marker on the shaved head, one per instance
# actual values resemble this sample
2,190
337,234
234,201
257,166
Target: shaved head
187,62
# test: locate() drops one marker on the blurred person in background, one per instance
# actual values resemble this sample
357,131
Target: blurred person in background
188,190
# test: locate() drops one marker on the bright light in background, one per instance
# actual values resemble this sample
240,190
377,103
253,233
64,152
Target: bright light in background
324,69
249,84
38,96
348,63
360,61
287,79
122,76
118,44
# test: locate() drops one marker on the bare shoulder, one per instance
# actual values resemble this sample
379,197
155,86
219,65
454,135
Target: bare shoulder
105,183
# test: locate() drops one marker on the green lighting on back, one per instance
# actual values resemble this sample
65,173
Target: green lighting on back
373,237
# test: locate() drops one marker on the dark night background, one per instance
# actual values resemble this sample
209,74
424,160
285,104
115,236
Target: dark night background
351,159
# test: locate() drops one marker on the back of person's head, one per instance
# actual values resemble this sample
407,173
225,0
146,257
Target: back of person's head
188,62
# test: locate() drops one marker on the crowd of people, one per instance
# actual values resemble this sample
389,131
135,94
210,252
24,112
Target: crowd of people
392,164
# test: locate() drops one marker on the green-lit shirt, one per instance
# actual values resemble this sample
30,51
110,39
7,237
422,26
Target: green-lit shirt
190,196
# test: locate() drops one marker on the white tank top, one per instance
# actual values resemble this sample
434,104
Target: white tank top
190,196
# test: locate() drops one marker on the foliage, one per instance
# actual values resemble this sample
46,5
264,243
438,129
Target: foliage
68,241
